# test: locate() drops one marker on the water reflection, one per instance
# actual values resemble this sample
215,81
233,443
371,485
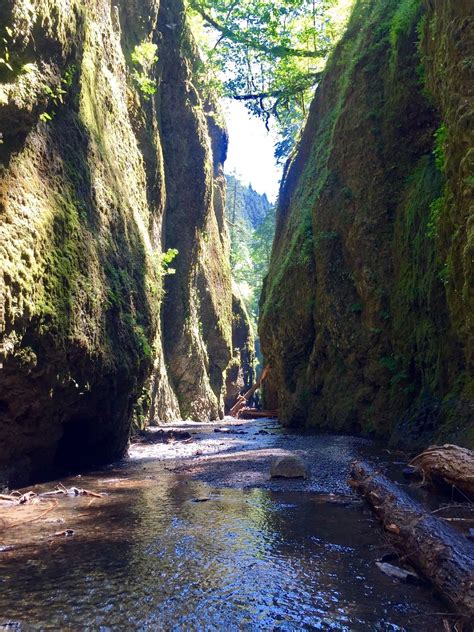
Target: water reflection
149,558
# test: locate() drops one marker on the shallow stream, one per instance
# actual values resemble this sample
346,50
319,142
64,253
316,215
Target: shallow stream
193,536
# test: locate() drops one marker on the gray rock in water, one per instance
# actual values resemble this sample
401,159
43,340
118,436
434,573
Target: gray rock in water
290,466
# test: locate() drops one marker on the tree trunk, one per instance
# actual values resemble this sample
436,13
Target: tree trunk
243,399
252,413
444,556
449,464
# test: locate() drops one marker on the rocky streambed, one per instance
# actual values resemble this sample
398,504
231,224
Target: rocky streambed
192,534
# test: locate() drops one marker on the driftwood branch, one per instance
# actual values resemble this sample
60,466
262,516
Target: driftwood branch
443,555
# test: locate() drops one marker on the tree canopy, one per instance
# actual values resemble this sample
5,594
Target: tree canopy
270,54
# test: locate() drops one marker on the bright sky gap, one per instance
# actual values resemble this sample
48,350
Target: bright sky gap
251,149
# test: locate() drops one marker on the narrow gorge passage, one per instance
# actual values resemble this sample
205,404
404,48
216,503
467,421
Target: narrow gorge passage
236,310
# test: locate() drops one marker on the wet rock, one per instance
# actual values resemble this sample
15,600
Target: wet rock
290,466
403,575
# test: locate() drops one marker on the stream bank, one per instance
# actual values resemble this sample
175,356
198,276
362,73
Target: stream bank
193,535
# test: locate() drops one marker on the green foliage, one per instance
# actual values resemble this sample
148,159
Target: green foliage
389,363
436,210
393,364
139,336
469,181
270,54
403,20
165,260
57,94
325,235
438,205
61,268
144,56
417,312
45,117
146,86
445,272
161,263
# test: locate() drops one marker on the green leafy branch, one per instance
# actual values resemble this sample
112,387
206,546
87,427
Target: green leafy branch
269,55
165,259
144,56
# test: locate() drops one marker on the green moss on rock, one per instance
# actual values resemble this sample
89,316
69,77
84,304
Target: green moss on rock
365,318
86,196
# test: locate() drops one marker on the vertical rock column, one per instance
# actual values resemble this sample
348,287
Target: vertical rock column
197,313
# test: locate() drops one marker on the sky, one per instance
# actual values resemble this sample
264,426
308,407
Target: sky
251,150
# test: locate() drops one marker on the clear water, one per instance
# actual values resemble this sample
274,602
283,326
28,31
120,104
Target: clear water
148,556
153,558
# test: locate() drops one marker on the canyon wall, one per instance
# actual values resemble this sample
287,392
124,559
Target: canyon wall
110,155
367,312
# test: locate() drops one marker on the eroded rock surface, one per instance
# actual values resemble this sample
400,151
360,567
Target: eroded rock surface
98,179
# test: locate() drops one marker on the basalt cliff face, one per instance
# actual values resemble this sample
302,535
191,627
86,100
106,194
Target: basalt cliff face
99,176
367,312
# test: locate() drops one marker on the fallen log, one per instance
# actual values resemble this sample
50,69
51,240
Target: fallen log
253,413
444,556
243,399
448,465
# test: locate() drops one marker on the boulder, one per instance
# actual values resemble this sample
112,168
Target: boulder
289,466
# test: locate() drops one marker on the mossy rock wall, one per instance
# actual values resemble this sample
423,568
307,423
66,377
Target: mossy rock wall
91,193
366,314
198,303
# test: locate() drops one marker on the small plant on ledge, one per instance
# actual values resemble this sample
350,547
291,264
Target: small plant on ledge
144,56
